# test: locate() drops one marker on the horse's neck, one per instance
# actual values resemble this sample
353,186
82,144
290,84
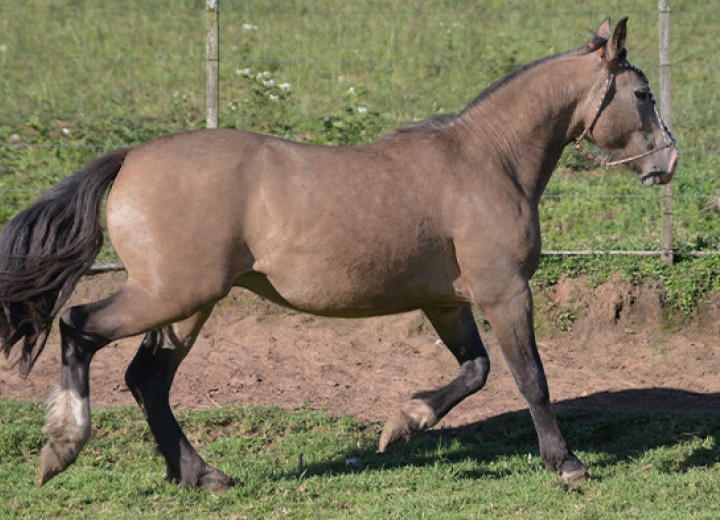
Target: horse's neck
527,122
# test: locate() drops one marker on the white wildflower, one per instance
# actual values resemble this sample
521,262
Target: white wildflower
269,82
362,110
274,97
247,71
249,27
351,89
285,86
65,131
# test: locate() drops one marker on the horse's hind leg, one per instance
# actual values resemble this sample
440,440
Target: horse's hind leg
149,377
456,327
86,329
67,412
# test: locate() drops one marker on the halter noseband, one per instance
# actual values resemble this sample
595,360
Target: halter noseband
612,68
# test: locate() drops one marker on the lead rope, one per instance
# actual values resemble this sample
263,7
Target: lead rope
667,136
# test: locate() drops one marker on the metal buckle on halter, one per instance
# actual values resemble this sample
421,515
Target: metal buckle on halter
612,69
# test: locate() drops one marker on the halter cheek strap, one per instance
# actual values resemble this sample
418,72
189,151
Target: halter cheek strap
612,68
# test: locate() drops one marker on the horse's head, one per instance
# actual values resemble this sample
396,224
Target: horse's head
623,117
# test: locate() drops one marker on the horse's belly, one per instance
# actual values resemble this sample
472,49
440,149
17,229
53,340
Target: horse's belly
331,287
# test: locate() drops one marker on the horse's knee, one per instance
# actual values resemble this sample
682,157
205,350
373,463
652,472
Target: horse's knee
533,386
73,318
151,372
474,373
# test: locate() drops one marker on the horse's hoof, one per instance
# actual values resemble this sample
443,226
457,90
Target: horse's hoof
53,460
212,480
397,429
573,473
217,482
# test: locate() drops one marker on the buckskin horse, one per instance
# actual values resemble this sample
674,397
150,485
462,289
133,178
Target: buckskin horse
438,216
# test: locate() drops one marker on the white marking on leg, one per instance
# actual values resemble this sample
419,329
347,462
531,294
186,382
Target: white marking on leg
420,412
67,418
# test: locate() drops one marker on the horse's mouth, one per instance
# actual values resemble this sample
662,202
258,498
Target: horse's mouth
653,178
661,177
657,177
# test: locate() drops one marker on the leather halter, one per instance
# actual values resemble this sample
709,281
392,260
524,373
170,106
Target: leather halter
612,68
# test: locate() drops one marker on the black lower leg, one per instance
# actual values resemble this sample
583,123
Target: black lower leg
67,412
78,349
513,328
458,331
553,447
149,377
456,327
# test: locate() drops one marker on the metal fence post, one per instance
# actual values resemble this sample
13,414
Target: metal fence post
667,191
212,15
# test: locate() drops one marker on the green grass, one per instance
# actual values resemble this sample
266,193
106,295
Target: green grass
644,465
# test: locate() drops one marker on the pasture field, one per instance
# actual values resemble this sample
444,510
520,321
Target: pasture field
644,465
81,77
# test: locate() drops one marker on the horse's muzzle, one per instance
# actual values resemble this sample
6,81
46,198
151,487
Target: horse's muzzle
662,171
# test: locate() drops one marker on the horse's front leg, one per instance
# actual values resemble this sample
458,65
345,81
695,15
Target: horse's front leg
458,331
511,318
67,412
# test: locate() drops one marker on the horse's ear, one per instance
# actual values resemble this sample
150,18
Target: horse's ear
617,42
604,31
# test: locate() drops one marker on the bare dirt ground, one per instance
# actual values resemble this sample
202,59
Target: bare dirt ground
618,355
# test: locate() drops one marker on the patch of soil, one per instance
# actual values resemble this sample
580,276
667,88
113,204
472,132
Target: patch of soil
617,354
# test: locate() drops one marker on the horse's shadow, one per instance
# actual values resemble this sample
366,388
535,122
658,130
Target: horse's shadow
612,426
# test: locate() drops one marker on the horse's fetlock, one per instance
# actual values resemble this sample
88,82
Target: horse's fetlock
421,414
415,416
67,417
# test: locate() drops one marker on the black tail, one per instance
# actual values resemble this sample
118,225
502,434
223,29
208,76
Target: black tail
45,250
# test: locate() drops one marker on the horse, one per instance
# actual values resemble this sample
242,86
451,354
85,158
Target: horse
439,216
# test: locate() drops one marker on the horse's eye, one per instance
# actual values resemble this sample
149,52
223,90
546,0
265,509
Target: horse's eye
642,94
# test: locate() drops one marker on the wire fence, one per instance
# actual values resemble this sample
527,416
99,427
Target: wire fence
163,82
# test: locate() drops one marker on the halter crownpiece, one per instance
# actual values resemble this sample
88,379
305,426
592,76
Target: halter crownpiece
612,68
